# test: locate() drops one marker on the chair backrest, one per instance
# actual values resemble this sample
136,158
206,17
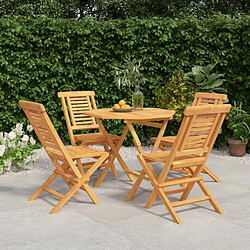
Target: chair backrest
74,103
201,99
196,136
46,132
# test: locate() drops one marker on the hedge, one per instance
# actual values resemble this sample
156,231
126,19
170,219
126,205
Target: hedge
41,56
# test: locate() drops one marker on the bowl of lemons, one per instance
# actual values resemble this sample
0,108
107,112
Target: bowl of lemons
121,106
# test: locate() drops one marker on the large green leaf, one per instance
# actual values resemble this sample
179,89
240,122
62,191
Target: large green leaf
214,77
214,84
189,74
207,69
197,70
199,78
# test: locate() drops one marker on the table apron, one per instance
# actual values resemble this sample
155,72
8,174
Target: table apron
146,123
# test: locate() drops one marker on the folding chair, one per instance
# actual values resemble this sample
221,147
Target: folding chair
191,148
74,103
200,99
62,157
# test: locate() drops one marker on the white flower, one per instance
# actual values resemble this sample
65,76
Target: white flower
32,141
19,126
7,163
11,144
28,160
25,138
23,144
2,149
12,135
5,141
29,128
1,136
19,129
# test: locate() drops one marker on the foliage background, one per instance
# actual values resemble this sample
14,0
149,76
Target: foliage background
123,9
42,56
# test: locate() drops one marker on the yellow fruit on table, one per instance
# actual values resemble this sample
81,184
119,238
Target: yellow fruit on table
124,106
117,106
122,102
127,106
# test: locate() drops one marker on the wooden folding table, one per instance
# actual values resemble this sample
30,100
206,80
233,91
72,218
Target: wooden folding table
146,116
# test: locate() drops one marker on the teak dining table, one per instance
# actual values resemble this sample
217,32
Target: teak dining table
145,116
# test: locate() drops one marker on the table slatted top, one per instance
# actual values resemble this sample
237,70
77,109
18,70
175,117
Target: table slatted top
150,114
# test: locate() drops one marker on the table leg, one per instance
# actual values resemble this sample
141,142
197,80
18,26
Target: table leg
135,137
159,137
139,148
115,153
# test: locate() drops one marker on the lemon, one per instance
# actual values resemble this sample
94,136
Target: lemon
124,106
117,106
122,102
127,106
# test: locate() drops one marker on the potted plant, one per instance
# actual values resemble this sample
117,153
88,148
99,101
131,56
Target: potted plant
239,124
130,75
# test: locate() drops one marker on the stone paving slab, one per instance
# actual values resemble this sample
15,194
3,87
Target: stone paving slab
116,224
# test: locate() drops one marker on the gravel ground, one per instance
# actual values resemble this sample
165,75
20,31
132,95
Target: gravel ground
43,163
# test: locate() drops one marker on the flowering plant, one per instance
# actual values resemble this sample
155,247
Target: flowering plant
16,147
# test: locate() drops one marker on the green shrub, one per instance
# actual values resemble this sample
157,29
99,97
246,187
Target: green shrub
39,57
175,95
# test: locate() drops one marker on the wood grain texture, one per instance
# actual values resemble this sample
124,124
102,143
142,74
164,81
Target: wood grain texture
146,114
189,151
144,117
74,104
62,157
200,99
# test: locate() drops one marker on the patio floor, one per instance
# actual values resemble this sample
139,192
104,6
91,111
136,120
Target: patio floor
116,224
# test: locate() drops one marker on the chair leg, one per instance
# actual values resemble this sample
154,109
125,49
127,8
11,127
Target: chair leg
169,206
211,174
82,183
71,192
194,173
102,176
66,166
45,184
136,186
80,167
212,200
105,145
65,198
91,193
114,172
151,199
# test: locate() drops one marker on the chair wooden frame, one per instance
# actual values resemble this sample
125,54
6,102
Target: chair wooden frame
200,99
62,157
73,104
191,148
